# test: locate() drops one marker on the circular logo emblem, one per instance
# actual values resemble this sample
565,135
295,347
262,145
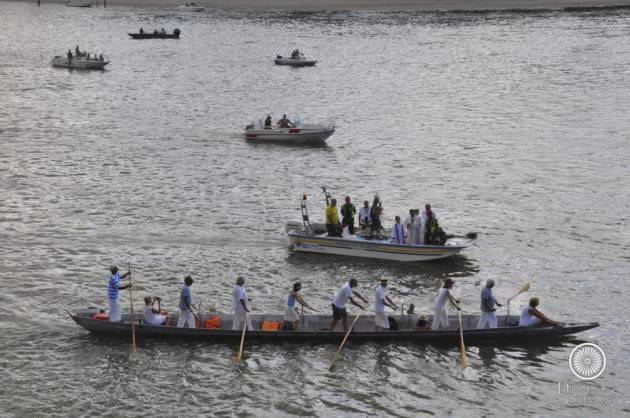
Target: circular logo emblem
587,361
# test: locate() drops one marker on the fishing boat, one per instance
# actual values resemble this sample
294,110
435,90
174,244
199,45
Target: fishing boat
307,134
190,7
314,329
311,237
79,3
81,62
297,59
156,35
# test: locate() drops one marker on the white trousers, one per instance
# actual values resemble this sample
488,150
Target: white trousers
186,317
487,320
114,310
380,320
239,319
440,318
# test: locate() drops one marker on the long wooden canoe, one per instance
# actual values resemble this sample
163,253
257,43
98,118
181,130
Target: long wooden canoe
314,329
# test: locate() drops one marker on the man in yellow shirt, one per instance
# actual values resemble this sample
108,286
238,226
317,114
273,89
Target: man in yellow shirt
332,219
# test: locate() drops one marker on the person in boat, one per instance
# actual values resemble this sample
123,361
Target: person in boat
347,215
413,223
531,316
186,316
332,219
141,30
364,215
268,122
440,317
100,57
284,122
155,31
433,233
69,55
114,293
241,306
381,300
290,313
399,235
344,295
163,31
421,324
375,215
488,318
153,315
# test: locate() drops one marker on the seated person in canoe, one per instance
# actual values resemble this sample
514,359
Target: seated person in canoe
531,316
153,315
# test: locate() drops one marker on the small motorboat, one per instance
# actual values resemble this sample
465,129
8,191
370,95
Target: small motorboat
315,329
313,238
297,134
190,7
156,35
79,3
80,62
297,59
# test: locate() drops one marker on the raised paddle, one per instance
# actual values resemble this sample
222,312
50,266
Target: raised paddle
332,365
240,350
133,322
523,289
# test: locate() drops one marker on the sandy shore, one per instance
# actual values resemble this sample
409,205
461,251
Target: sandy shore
426,5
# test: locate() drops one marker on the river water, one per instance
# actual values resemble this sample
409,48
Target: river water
514,125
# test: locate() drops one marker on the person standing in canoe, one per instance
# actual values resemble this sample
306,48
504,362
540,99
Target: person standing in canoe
440,317
344,295
114,293
186,316
381,300
488,318
241,306
290,313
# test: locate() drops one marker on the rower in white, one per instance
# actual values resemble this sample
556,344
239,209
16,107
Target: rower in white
380,301
488,318
440,316
241,306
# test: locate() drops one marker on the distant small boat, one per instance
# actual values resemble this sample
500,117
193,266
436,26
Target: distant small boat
79,3
300,134
78,62
297,59
192,7
156,35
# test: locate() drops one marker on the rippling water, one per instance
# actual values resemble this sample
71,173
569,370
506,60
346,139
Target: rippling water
512,125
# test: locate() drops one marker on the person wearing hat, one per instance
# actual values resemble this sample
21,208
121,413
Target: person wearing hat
381,300
488,318
440,317
114,293
531,316
241,306
290,313
186,316
344,295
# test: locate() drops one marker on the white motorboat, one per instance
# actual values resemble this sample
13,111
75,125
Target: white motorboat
297,59
191,7
81,62
79,3
313,238
297,134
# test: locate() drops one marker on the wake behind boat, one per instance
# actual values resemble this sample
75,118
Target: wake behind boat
313,329
297,59
288,132
370,243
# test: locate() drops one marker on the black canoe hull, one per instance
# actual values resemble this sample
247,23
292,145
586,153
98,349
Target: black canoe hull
450,336
154,35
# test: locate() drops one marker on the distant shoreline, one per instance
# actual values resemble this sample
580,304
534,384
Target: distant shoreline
352,5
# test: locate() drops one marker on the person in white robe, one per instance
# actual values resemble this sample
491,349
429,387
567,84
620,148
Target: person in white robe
409,225
241,306
417,228
531,316
381,300
399,235
488,317
440,316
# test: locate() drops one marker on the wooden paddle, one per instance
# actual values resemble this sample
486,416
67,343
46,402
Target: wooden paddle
523,289
133,322
332,365
462,347
240,350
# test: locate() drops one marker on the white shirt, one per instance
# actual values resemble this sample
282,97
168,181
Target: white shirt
151,317
442,298
379,296
527,319
342,296
364,213
239,293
